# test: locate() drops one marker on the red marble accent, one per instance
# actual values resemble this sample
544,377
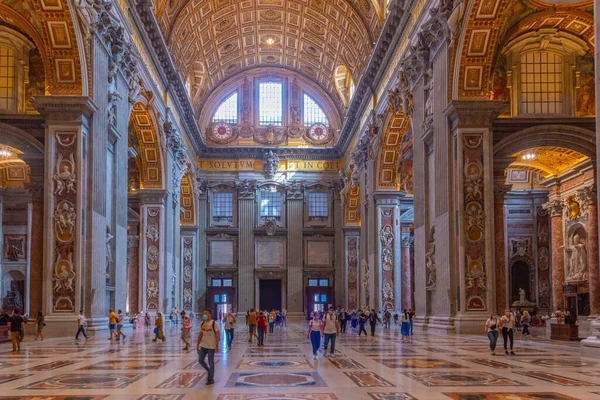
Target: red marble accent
188,268
386,238
407,295
499,254
36,257
558,261
152,263
543,259
592,252
133,274
352,260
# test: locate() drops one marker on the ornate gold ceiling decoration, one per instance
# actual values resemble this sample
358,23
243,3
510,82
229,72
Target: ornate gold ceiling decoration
142,126
547,161
493,22
226,37
388,157
188,211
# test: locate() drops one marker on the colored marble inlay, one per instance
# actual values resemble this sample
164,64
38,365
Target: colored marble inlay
11,363
11,377
553,378
77,397
162,397
181,380
368,379
470,378
491,363
195,366
270,396
346,363
275,379
391,396
273,350
268,364
505,396
78,381
50,366
419,363
560,362
113,365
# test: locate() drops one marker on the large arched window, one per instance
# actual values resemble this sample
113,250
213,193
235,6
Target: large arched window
541,83
270,103
228,110
312,112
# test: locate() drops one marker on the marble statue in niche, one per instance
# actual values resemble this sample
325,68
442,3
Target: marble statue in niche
522,302
109,256
430,273
365,282
577,260
585,94
345,188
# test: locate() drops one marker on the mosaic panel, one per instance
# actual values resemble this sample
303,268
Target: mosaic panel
50,366
368,379
275,379
391,396
4,378
470,378
410,363
246,363
553,378
181,380
78,381
345,363
113,365
270,396
505,396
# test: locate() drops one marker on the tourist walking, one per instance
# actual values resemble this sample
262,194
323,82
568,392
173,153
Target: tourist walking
229,325
261,326
314,334
158,328
362,320
40,323
373,318
16,325
525,323
411,316
272,317
208,344
120,319
491,329
396,318
343,318
331,328
112,323
186,330
405,325
251,324
387,319
508,324
81,325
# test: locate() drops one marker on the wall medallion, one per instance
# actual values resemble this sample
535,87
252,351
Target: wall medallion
318,134
222,133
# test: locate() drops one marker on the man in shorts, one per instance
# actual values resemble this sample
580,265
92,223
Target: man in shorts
112,324
252,325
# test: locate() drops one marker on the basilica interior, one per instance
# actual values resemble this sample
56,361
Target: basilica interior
433,155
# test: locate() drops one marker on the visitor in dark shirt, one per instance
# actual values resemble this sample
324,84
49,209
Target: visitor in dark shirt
17,325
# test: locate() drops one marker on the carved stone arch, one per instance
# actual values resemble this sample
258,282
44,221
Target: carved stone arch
145,126
486,24
21,140
55,30
394,128
566,136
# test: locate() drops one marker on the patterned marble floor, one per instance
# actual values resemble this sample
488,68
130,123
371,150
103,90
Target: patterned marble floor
380,368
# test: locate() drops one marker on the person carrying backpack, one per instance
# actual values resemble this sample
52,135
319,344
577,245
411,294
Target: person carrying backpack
208,344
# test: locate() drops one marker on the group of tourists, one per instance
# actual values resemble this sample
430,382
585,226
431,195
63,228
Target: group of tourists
15,322
360,318
507,325
262,322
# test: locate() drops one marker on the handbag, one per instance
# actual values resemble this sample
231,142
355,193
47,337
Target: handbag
493,327
155,331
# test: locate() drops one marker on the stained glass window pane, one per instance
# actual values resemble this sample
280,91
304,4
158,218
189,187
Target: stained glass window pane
313,114
228,110
270,103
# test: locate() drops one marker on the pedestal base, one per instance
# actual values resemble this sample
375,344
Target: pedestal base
60,326
564,332
471,323
442,323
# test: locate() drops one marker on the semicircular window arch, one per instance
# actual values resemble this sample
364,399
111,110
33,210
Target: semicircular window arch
312,113
228,110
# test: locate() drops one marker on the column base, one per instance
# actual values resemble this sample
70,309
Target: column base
471,323
97,324
421,322
59,326
442,323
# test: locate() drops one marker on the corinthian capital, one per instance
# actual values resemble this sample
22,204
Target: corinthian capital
587,196
555,208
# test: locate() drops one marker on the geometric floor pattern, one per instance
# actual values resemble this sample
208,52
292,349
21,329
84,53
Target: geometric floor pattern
430,367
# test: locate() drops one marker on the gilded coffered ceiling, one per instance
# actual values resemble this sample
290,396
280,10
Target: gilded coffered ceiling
547,161
216,39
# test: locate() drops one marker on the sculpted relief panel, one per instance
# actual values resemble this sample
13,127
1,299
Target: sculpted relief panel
65,222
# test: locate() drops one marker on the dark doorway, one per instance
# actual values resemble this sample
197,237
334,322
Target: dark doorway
520,280
270,294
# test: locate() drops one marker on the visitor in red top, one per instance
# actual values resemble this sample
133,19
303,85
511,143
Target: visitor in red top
262,328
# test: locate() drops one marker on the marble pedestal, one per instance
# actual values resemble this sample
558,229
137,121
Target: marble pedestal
591,345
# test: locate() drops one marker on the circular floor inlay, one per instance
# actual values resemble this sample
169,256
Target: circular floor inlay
274,363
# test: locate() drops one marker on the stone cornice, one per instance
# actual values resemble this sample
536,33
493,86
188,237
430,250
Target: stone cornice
473,113
65,109
151,196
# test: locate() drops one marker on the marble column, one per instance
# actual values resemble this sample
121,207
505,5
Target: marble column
201,244
36,254
295,282
133,274
67,124
246,211
154,291
555,208
471,125
388,259
407,279
501,300
341,273
588,199
188,265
